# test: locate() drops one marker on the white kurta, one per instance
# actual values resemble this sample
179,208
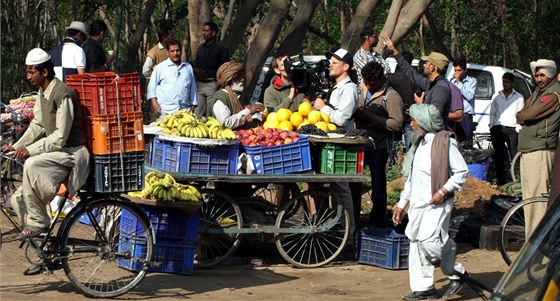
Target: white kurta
429,224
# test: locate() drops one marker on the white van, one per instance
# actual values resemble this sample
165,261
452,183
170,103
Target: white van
489,83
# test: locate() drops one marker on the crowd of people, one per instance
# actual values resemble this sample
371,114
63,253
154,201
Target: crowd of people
433,113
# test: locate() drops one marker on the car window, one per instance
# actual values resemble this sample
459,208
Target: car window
484,83
520,85
535,273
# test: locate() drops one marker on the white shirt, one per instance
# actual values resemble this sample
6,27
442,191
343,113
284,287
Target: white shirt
425,219
342,104
503,110
223,115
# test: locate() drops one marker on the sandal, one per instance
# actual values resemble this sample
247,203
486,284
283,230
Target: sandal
32,231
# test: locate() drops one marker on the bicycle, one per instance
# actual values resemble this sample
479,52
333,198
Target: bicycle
104,244
515,167
512,229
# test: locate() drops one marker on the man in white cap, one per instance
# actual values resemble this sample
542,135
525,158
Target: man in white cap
540,121
53,148
68,57
341,105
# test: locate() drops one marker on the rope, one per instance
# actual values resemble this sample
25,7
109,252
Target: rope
121,144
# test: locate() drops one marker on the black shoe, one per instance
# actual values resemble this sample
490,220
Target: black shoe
429,294
42,268
454,287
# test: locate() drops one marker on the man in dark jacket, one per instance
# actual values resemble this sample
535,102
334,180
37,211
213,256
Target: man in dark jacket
540,121
381,114
433,82
281,93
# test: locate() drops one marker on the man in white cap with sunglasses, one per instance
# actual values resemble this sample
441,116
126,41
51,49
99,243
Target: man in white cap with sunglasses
68,56
538,138
53,148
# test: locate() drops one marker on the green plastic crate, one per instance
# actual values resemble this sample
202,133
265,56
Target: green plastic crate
342,158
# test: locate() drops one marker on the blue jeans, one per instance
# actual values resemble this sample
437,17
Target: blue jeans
376,160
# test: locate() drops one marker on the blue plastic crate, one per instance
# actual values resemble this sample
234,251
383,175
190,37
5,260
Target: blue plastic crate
168,224
84,219
281,159
479,170
383,248
111,175
149,139
172,257
175,156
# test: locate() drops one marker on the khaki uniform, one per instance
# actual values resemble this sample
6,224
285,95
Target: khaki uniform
56,144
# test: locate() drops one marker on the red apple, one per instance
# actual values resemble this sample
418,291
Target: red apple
270,130
261,137
252,143
295,139
270,143
250,132
293,134
253,137
245,141
288,140
284,134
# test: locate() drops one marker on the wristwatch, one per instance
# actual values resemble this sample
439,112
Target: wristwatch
441,192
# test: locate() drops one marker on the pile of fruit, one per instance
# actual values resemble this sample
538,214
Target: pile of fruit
23,106
266,137
164,188
186,124
285,119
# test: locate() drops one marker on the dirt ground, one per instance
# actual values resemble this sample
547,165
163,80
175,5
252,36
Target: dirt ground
264,275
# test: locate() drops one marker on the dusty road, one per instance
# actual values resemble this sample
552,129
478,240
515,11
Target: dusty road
236,280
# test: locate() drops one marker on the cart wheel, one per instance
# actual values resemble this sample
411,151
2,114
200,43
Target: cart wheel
317,229
219,232
270,192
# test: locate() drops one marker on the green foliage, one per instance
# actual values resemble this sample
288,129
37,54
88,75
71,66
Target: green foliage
393,195
393,172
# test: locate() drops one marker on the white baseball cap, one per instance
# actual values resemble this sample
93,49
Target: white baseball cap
77,25
36,56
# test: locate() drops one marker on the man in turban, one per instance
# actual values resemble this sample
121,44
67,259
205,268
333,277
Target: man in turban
225,104
434,170
540,121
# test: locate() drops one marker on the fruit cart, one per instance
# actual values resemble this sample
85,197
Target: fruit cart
310,228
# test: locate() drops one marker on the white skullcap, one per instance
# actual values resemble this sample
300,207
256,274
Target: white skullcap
36,56
547,67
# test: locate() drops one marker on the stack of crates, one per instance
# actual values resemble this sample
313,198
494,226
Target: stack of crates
175,237
112,113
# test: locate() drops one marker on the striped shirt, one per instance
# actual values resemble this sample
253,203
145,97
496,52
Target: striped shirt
362,57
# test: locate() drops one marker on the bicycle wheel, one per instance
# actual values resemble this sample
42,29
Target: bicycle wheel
219,228
277,194
512,229
515,167
106,247
313,229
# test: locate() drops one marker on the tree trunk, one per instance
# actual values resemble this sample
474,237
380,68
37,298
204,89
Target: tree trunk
436,36
263,43
199,12
132,51
227,19
298,30
239,26
408,17
351,39
392,18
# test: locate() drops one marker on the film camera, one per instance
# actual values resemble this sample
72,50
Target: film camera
309,79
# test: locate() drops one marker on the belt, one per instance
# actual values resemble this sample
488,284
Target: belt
207,80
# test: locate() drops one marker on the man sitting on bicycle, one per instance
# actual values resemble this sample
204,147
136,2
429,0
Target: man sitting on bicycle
53,146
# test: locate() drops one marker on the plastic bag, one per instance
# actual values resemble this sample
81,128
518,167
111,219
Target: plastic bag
476,155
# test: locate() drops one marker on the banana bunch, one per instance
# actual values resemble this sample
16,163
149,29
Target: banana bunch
194,129
164,188
210,121
172,122
221,132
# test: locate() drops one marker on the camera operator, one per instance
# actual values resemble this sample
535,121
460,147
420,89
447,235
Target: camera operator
381,114
281,93
342,103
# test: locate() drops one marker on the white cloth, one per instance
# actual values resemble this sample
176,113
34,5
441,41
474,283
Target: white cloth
73,57
504,109
342,104
427,223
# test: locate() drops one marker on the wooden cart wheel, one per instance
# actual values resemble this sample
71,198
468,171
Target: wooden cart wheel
276,194
219,232
315,228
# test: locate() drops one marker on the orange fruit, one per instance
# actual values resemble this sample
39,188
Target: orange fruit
314,117
272,124
305,108
305,122
296,119
331,127
322,126
325,117
271,117
286,125
283,114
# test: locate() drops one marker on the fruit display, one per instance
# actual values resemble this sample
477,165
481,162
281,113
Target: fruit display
285,119
266,136
164,188
186,124
23,106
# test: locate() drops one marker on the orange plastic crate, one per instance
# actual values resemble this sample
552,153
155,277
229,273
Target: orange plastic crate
105,137
105,93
